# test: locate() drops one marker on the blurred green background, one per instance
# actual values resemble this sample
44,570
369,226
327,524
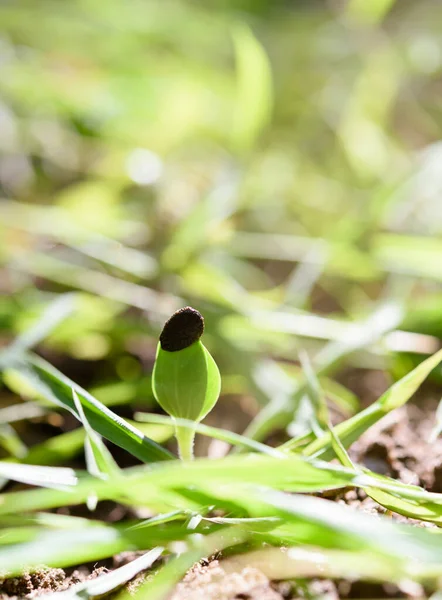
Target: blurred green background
276,165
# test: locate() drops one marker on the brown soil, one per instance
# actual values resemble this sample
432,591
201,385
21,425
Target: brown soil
44,581
399,446
211,582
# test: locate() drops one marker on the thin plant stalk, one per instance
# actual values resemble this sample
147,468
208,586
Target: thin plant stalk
186,438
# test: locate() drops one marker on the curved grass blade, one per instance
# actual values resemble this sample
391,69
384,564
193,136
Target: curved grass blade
234,439
21,412
319,522
99,460
56,312
54,477
11,442
146,487
254,88
280,409
48,382
350,430
408,500
304,562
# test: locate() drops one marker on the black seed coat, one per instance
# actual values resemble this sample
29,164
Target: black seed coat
184,327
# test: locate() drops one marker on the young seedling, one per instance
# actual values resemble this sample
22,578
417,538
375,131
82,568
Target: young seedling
185,380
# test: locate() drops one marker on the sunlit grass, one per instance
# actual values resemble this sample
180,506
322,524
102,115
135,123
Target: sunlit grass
277,167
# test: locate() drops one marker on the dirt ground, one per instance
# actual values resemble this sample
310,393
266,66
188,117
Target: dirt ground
398,447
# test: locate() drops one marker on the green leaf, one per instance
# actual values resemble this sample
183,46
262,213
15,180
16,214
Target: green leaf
99,460
350,338
11,441
54,477
350,430
408,500
49,383
214,432
55,313
254,88
146,487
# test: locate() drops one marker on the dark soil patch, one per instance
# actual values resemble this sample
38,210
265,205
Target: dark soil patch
31,584
44,581
400,446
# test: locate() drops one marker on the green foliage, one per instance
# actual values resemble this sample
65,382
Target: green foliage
45,381
274,164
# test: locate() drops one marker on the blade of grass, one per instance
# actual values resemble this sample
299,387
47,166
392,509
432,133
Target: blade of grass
351,429
86,543
57,311
162,518
11,442
63,548
319,414
57,388
353,529
410,501
99,460
254,88
146,487
57,477
279,411
214,432
21,412
321,418
304,562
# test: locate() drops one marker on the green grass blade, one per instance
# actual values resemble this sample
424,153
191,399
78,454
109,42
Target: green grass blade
339,526
58,449
56,387
279,411
339,449
99,460
55,313
21,412
304,562
408,500
12,442
351,429
30,547
234,439
319,416
146,487
57,477
254,94
63,548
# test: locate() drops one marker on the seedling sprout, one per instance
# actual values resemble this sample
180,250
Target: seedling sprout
186,380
